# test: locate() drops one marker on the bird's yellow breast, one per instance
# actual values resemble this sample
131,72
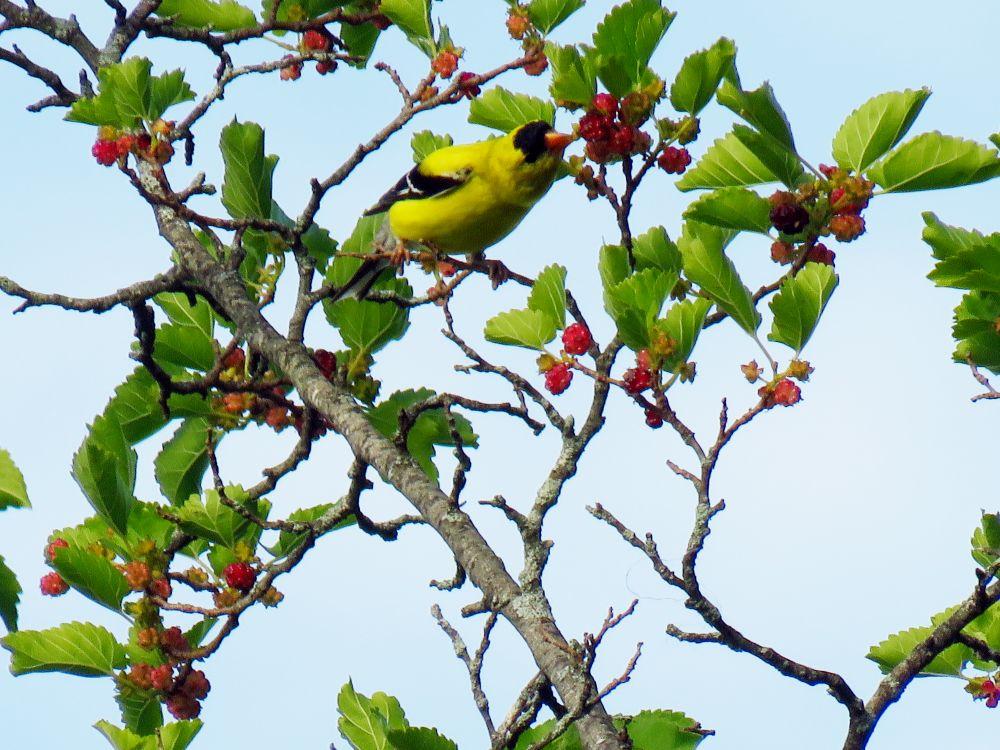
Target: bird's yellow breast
500,190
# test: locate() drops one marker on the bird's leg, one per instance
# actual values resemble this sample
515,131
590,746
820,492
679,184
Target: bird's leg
400,255
497,272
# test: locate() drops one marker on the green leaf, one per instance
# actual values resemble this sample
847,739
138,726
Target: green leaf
933,161
175,736
425,143
663,730
683,324
413,17
141,711
362,723
211,519
288,541
179,310
360,41
527,328
431,427
625,41
986,541
13,491
135,406
10,595
92,575
104,468
74,648
568,740
548,295
727,163
635,303
799,304
246,191
183,347
777,158
216,15
574,76
976,331
613,265
419,738
759,108
504,110
946,241
654,249
706,264
129,95
897,647
547,14
367,327
732,208
876,126
700,75
181,463
977,268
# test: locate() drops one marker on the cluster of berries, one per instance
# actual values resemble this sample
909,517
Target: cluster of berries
831,206
781,391
641,378
314,40
985,688
576,340
113,145
444,64
610,127
181,692
521,28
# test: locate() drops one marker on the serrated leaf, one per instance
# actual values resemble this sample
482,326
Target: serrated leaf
977,268
986,541
216,15
683,324
574,76
183,347
129,94
246,191
612,264
800,302
74,648
636,302
213,520
784,164
548,295
547,14
505,110
568,740
367,327
135,406
288,541
727,163
361,723
898,646
654,249
431,427
876,126
975,330
933,161
413,17
946,241
122,739
180,465
700,75
141,711
13,490
625,41
527,328
419,738
732,208
708,266
663,730
175,736
10,595
425,143
104,468
359,39
92,575
165,91
759,108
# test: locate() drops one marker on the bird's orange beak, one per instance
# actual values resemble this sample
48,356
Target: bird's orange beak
557,142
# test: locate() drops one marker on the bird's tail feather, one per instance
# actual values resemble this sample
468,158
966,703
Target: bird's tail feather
362,281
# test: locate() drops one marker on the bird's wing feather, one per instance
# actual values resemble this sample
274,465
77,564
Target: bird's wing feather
440,172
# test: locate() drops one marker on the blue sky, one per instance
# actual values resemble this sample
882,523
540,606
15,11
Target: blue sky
849,515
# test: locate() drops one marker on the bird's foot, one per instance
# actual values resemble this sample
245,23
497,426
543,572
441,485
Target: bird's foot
497,272
399,256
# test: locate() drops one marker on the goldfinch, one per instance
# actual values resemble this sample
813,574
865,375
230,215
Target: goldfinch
465,198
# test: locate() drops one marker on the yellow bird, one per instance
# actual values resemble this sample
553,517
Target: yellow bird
465,198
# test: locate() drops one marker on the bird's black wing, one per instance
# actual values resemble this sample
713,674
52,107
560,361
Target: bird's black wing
415,184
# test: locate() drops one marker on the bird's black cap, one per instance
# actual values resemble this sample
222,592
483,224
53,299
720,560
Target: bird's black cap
530,140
